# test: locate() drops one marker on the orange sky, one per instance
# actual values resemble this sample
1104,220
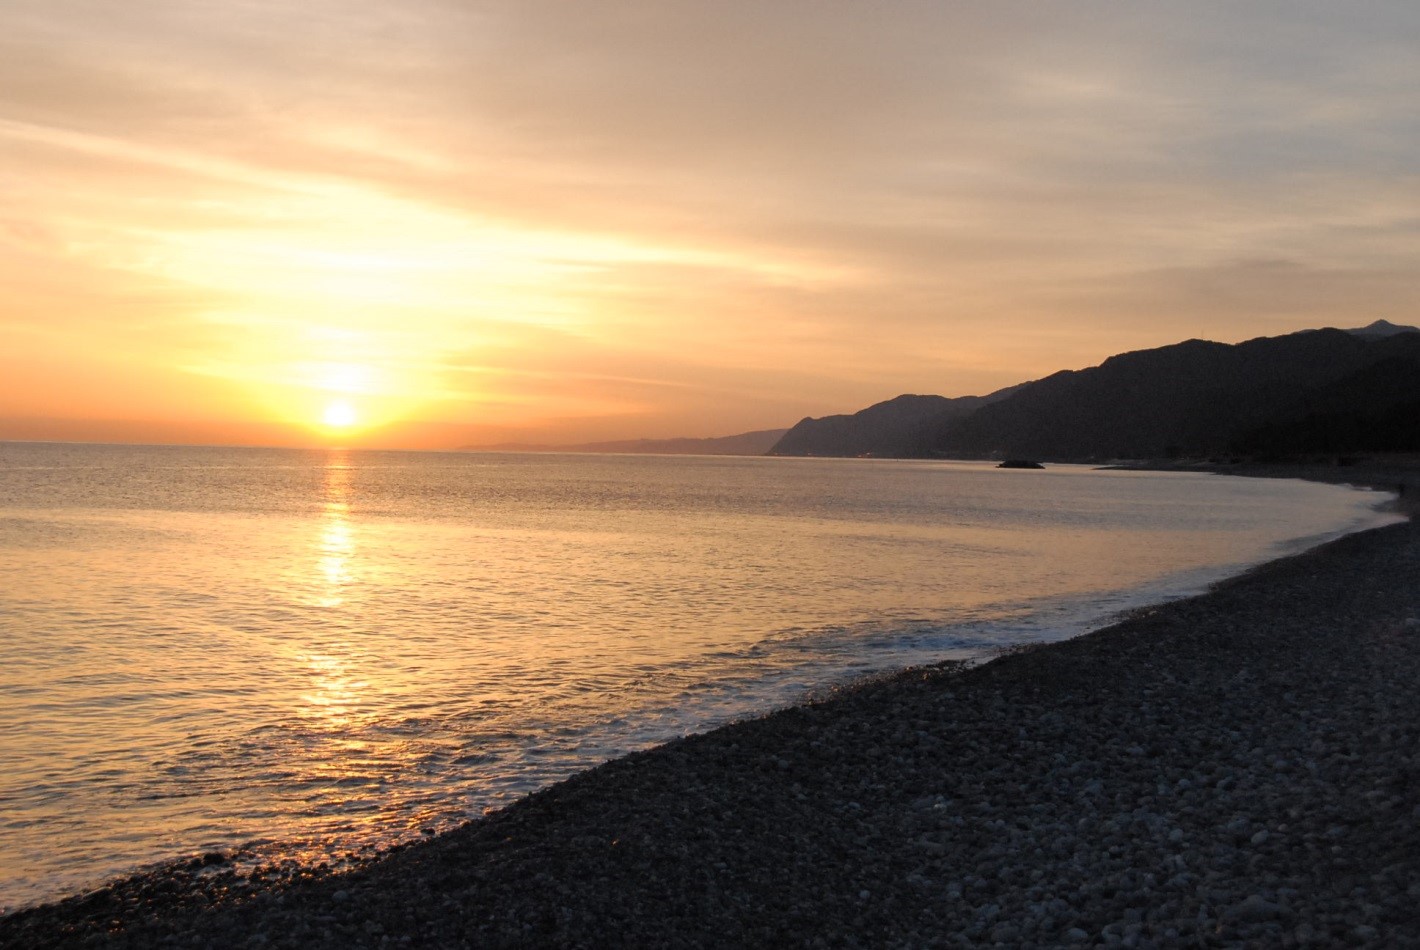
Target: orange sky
461,222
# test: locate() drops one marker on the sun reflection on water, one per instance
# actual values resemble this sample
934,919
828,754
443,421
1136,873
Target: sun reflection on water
337,686
336,690
336,544
336,547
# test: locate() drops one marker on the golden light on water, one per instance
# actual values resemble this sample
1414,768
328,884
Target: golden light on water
336,547
335,685
335,688
335,543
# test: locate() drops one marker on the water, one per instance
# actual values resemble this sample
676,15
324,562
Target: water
306,652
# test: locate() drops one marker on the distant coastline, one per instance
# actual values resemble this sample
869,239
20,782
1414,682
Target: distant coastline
1398,473
745,443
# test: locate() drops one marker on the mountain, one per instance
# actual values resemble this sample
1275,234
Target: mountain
1317,391
1199,398
1376,409
745,443
897,428
1381,328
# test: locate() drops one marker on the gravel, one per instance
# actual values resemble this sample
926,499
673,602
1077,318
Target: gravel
1236,769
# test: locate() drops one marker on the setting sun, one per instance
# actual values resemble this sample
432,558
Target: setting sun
340,414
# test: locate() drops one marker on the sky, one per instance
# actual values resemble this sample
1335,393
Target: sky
433,223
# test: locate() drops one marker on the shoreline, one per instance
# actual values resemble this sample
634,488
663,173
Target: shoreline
1400,474
772,830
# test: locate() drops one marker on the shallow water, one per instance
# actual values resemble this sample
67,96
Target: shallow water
202,648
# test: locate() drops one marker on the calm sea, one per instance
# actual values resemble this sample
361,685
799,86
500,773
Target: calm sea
309,652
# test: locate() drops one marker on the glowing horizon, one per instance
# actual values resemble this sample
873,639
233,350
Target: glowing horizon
542,222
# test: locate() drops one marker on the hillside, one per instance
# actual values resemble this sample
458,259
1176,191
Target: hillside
1197,398
899,427
1317,391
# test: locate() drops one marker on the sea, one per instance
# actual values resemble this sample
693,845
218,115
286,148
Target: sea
303,655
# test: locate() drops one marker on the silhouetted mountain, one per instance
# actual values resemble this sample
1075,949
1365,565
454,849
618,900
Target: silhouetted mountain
900,427
746,443
1200,398
1381,328
1317,391
1376,409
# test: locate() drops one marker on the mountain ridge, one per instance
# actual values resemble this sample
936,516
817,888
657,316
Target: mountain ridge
1322,390
893,428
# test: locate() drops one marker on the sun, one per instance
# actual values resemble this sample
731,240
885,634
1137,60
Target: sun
339,414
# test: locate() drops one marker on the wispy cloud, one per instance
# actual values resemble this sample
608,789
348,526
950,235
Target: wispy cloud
779,208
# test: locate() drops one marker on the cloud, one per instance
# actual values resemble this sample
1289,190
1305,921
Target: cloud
784,207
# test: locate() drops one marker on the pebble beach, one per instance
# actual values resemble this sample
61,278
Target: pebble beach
1240,768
